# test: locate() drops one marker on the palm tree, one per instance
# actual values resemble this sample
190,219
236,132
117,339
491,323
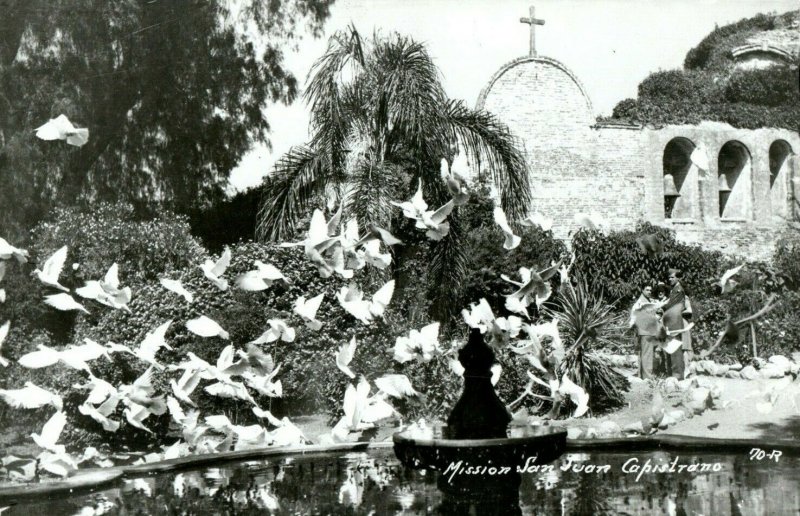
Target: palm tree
380,120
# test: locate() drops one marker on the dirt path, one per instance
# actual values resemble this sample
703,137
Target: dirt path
741,419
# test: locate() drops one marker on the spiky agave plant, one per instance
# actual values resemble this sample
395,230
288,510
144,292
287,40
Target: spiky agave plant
587,323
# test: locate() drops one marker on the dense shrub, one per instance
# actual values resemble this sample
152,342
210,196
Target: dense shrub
614,264
775,86
487,259
310,378
243,314
786,258
691,87
778,332
111,233
714,50
707,90
108,234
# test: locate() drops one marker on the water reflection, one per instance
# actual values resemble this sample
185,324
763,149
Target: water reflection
375,483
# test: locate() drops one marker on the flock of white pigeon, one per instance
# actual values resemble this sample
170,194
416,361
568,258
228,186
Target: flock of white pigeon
236,369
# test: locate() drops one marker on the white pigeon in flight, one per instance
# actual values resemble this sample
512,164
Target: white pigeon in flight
434,222
319,239
307,310
3,334
51,432
533,287
726,284
94,290
213,270
456,185
261,278
374,256
537,219
45,356
590,221
206,327
152,342
30,397
345,356
422,343
351,298
278,330
699,157
60,128
396,386
479,315
109,425
511,240
64,302
177,287
52,268
107,291
7,251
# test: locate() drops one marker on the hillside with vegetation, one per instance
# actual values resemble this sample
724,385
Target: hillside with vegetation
709,87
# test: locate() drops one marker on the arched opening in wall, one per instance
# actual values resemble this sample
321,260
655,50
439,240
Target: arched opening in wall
680,180
779,171
735,182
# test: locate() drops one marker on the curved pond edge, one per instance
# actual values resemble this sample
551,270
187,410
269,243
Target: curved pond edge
90,479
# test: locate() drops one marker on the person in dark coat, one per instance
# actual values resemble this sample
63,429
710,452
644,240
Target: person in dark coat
677,313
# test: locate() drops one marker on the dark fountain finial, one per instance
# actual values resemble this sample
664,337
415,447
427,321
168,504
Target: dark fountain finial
476,435
479,413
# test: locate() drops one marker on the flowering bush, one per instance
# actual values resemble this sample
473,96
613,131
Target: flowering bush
96,239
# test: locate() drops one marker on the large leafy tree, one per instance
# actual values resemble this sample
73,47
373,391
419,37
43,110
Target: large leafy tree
380,121
172,92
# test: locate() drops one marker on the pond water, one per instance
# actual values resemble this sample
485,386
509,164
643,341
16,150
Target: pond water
374,482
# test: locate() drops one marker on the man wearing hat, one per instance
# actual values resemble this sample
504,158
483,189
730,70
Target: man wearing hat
677,310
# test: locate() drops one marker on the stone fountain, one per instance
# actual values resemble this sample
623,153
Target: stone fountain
478,464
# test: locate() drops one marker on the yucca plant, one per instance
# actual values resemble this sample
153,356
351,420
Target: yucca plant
588,323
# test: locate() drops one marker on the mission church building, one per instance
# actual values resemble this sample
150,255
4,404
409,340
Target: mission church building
725,188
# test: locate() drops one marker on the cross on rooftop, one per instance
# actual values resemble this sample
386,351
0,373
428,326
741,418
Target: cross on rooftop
533,22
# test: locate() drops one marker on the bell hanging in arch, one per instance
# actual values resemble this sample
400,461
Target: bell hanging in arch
723,183
669,186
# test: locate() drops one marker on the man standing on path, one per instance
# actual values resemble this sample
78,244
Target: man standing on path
650,334
676,312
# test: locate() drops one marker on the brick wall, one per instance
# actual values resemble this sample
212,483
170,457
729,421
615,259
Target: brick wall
574,168
617,171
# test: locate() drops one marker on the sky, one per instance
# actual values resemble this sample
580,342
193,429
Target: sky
611,45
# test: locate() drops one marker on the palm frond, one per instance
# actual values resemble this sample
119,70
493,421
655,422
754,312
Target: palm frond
448,268
409,95
326,89
298,179
371,185
489,142
344,48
